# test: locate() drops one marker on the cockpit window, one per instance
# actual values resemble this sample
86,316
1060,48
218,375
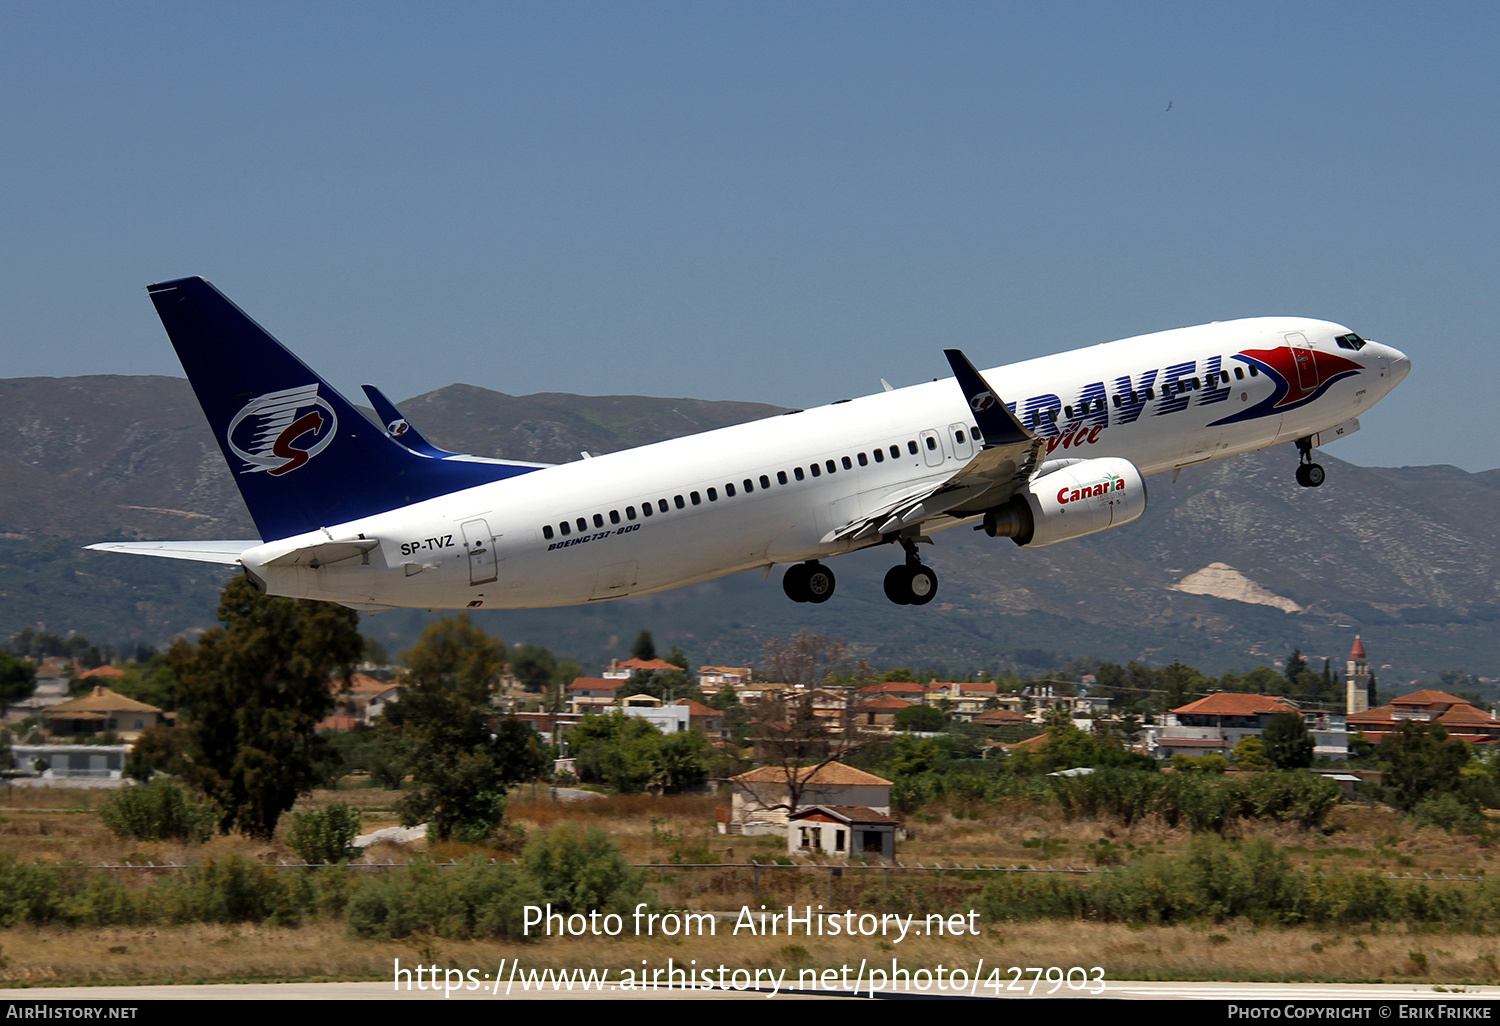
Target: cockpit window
1350,341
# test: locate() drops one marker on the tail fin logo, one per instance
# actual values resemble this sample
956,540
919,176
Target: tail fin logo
280,431
397,428
981,402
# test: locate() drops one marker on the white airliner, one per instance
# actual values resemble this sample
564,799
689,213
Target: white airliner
1038,452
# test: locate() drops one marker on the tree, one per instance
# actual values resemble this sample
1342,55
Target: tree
1250,754
1421,760
924,719
250,694
1289,744
460,767
17,681
806,659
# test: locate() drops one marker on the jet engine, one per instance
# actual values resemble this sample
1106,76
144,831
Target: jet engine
1077,498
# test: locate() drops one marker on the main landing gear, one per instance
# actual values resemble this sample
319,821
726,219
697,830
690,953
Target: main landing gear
1309,474
911,583
808,582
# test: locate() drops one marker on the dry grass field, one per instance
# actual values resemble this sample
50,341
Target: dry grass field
61,827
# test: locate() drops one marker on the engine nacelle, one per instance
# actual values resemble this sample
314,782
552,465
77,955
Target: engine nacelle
1079,498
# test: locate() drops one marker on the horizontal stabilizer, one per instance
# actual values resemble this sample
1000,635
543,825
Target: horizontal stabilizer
226,552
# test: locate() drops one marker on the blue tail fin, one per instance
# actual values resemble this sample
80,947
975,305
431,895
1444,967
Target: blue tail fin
302,455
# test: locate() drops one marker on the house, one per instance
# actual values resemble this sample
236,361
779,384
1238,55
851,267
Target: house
669,719
711,679
1460,717
701,717
878,712
593,694
841,830
1220,721
625,669
102,710
763,798
363,700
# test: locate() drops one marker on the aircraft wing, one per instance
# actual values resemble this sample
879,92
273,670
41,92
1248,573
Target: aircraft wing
1009,457
226,552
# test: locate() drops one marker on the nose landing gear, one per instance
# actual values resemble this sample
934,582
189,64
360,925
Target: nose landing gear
1309,474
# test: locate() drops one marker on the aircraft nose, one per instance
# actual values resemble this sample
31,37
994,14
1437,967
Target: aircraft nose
1400,365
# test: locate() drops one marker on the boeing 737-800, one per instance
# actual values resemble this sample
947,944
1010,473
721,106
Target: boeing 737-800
376,517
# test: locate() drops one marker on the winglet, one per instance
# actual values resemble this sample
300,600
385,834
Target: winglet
998,425
399,428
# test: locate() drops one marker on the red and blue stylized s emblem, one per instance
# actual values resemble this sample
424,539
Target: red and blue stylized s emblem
280,431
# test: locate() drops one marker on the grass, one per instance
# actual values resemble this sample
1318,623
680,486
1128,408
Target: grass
61,827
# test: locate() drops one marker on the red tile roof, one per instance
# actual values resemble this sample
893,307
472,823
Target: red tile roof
1229,703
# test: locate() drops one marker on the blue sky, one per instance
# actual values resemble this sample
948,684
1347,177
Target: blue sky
773,202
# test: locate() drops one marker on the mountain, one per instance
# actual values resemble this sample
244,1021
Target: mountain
1233,565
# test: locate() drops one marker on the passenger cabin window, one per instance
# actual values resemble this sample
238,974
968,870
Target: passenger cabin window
765,482
728,491
815,471
629,512
749,485
797,473
911,446
583,525
661,504
697,499
863,460
847,464
879,455
931,442
598,519
547,531
781,477
646,510
614,516
831,466
563,527
1253,372
678,500
958,436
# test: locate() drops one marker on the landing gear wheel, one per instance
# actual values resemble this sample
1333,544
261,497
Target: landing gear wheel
910,585
808,582
1310,475
820,582
922,586
897,585
794,583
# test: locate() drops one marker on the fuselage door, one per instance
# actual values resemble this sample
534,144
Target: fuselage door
1305,359
932,448
481,548
963,440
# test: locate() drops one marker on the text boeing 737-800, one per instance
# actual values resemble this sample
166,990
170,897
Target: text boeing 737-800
376,518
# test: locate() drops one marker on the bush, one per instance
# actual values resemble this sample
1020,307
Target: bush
578,873
158,811
325,836
476,899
